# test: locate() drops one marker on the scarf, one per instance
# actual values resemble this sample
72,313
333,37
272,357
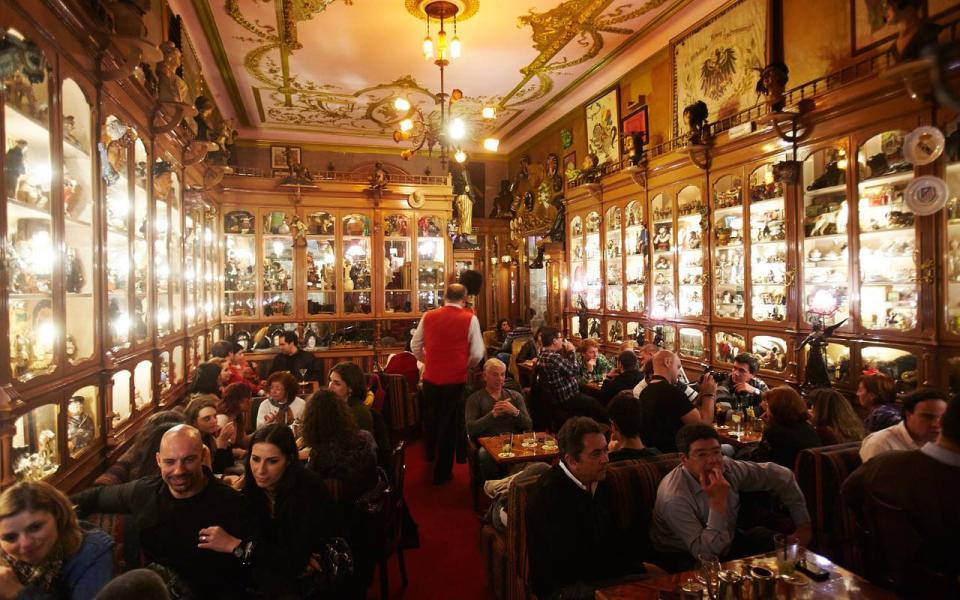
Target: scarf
41,576
284,414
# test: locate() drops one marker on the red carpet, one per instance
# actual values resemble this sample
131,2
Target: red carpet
448,563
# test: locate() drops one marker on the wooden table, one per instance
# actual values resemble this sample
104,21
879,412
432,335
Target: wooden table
727,436
842,585
590,388
520,454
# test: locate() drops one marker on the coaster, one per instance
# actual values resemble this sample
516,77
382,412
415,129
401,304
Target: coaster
506,455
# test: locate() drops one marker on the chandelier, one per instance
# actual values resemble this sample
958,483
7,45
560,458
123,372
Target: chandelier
423,130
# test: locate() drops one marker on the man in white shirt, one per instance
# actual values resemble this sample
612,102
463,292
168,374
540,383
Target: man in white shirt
922,413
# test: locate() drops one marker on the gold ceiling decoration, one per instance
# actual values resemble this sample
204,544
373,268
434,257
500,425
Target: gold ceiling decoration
565,39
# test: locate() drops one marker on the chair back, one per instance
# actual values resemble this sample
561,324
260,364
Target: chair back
514,351
399,407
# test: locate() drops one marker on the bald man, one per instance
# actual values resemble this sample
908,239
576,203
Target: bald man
666,408
189,522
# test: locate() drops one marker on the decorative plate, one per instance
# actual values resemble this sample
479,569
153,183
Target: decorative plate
926,195
923,145
416,199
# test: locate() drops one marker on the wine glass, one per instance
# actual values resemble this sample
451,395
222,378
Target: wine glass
303,374
708,571
735,418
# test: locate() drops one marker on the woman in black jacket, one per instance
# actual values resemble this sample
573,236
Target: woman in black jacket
788,428
298,520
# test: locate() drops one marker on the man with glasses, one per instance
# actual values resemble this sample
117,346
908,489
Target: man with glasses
744,388
557,371
574,543
699,501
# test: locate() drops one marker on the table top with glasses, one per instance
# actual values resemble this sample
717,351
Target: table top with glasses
541,451
842,584
737,439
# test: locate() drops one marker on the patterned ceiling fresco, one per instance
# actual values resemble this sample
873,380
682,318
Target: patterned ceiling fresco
331,68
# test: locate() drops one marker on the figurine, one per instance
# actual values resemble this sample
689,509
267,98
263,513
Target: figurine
914,33
70,130
79,426
772,84
553,173
590,168
223,135
70,347
379,179
74,272
299,175
15,166
162,179
831,176
171,87
695,116
299,231
463,208
204,118
633,148
661,241
582,317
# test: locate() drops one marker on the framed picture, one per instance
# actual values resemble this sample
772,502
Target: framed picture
868,27
636,122
717,61
278,156
603,125
570,167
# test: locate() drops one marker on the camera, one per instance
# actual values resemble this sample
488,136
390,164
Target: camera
720,377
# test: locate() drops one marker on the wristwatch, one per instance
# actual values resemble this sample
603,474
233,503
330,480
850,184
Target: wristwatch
240,550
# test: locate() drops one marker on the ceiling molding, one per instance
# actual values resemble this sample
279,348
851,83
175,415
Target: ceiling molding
215,43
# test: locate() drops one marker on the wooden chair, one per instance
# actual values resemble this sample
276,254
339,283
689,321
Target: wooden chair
392,522
514,351
400,407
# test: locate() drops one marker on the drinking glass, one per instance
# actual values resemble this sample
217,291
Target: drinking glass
529,439
786,547
708,572
303,374
506,444
691,589
549,442
735,419
721,417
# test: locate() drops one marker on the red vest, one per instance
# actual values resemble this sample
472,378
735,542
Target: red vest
446,346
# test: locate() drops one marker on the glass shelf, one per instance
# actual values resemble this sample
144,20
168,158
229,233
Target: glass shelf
728,256
768,246
690,270
664,303
614,258
951,250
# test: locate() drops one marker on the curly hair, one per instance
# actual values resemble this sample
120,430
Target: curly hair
288,381
326,418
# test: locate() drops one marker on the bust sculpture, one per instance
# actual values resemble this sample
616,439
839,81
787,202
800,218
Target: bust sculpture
170,87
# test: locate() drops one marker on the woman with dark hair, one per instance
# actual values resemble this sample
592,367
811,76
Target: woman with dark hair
45,553
282,404
341,451
206,380
296,516
833,417
141,459
201,412
876,394
788,429
234,408
348,383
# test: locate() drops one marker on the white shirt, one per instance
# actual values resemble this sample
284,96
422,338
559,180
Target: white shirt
268,409
591,489
478,349
895,437
941,454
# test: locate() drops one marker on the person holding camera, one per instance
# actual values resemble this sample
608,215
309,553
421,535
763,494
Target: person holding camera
742,389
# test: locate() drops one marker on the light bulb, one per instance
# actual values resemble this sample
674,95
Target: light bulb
441,44
489,112
406,125
401,104
278,248
458,129
460,156
491,144
455,47
427,48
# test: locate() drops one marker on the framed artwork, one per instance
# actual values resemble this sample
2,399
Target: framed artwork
278,156
717,61
636,122
603,125
570,167
868,27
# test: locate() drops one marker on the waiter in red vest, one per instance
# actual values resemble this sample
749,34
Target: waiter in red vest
448,342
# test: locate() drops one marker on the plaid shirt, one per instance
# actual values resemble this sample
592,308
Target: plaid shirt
559,373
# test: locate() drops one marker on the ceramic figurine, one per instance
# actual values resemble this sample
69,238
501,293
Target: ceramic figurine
299,230
205,118
553,176
815,374
171,87
695,117
502,203
379,179
15,166
773,83
162,179
74,272
633,148
914,33
70,130
79,425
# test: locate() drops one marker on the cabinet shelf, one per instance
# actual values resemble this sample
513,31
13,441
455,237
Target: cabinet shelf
828,191
887,179
761,204
828,237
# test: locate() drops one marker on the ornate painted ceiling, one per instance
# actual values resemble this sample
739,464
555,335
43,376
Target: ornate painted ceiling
327,71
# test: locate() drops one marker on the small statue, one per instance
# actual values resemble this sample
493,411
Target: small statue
772,84
914,33
463,206
299,175
70,130
48,447
582,317
170,86
633,148
379,179
205,118
79,425
15,166
299,230
74,272
590,168
815,373
162,179
553,173
223,135
502,204
695,116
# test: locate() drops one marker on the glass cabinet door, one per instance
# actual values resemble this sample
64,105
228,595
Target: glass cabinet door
593,282
141,243
727,345
899,365
82,422
771,352
143,384
664,298
636,251
888,270
31,254
613,250
951,249
728,265
190,268
690,251
824,252
357,257
397,264
175,230
115,151
211,303
80,314
768,246
691,343
36,454
120,398
577,263
431,255
163,176
239,265
321,263
277,264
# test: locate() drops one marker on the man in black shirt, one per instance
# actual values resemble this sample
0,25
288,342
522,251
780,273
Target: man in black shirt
627,377
625,421
292,359
185,518
666,409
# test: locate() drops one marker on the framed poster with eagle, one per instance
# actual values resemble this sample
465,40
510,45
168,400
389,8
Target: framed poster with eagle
719,59
603,127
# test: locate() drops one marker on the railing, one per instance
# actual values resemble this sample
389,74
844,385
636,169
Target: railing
343,177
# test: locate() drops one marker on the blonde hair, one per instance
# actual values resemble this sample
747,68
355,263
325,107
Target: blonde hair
35,496
587,344
493,362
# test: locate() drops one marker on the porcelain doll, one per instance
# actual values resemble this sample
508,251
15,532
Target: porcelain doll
79,425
